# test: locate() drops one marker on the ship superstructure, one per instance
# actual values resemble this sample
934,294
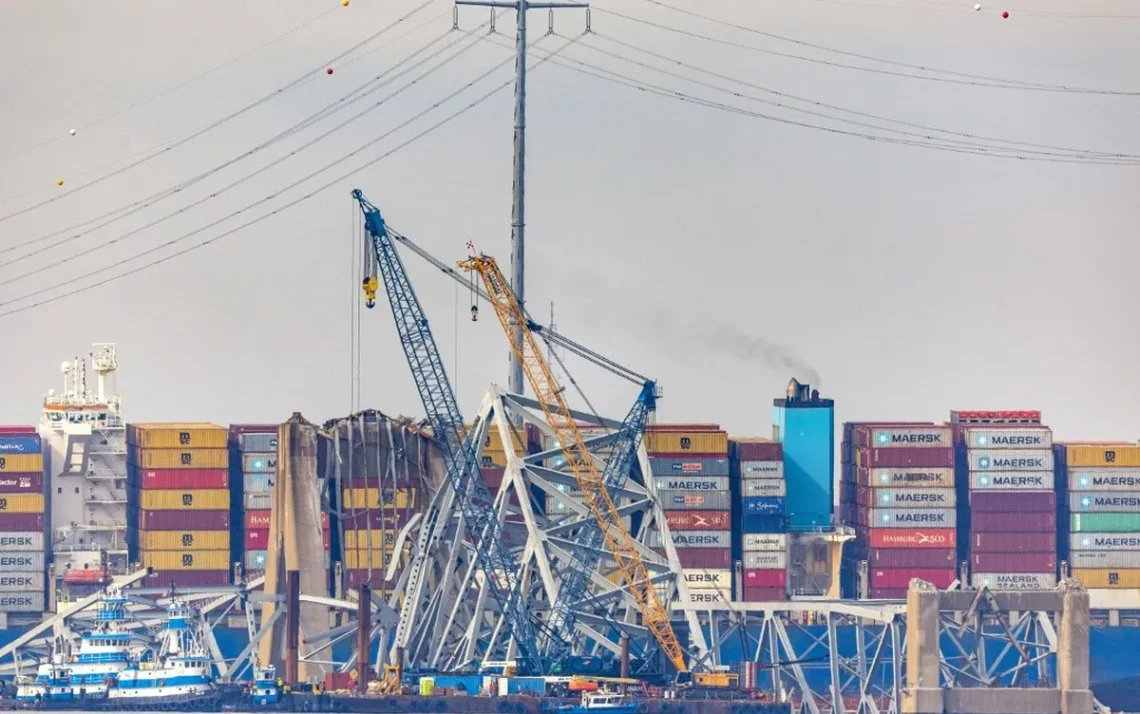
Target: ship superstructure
85,447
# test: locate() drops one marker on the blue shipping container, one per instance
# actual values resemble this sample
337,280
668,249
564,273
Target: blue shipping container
688,467
257,442
763,524
764,505
526,685
20,445
470,683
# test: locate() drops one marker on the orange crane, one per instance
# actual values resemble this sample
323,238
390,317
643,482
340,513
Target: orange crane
549,394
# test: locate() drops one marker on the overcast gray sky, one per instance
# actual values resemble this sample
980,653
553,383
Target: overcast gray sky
706,248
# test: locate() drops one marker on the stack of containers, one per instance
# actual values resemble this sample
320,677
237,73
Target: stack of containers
538,442
494,462
759,499
1104,520
689,466
1009,480
375,505
178,502
21,520
905,510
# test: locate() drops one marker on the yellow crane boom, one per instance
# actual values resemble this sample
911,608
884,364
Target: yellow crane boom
617,539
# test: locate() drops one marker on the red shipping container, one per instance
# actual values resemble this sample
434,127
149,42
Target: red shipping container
1014,562
698,520
1013,522
10,522
888,593
19,430
682,427
257,539
184,478
765,578
1013,542
912,557
493,476
901,577
765,594
710,558
187,578
21,482
757,450
912,538
183,521
255,520
1013,502
900,456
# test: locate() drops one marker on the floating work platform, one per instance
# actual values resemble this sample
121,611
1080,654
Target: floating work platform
463,704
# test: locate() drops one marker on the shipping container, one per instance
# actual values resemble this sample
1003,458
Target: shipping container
688,466
912,517
911,538
257,501
21,483
187,578
259,463
1104,541
1012,480
1009,459
1128,559
180,458
184,540
752,525
1014,562
709,597
184,479
10,522
1013,502
995,416
1105,522
492,457
705,558
694,539
22,463
21,582
22,540
1102,455
708,579
688,501
761,469
901,577
17,444
1104,502
358,559
912,558
493,440
1104,479
1107,577
888,593
764,542
256,539
260,519
1003,438
374,578
764,560
698,520
921,437
686,442
777,594
764,488
199,499
364,539
763,506
1014,581
183,520
765,578
1013,542
21,561
185,559
902,457
915,498
177,436
256,559
21,503
360,498
752,449
22,602
905,477
1013,522
257,442
492,476
258,483
387,519
691,483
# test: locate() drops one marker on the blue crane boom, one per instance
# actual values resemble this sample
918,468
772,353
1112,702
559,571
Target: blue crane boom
493,556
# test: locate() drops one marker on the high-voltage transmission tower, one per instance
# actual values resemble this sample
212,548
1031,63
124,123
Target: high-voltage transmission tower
518,210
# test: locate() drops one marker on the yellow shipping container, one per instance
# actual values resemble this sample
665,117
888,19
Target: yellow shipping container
364,498
1103,455
22,463
493,457
178,436
202,499
360,539
21,503
358,559
1107,577
680,442
185,540
181,458
186,560
494,440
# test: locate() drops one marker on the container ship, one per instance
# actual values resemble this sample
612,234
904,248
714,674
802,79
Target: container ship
984,498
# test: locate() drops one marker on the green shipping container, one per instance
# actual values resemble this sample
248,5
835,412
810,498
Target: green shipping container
1105,522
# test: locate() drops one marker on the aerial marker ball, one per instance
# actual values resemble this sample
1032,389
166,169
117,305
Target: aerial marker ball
977,7
1004,14
344,2
59,182
329,70
73,132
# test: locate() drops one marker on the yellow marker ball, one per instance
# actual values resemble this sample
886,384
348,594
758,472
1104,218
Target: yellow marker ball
59,182
344,2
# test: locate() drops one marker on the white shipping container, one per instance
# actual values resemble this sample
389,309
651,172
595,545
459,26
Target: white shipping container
770,560
692,500
912,518
708,597
1107,479
693,539
691,483
257,442
259,463
22,540
1104,502
776,487
22,602
912,477
708,579
255,559
761,469
694,466
21,562
765,541
21,582
915,498
1011,480
1127,559
1014,581
258,483
1010,459
258,501
1104,541
1031,438
913,436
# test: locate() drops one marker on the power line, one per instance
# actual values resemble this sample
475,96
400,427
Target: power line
279,209
210,127
995,83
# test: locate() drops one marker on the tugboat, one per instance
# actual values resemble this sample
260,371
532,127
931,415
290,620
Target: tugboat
603,702
264,690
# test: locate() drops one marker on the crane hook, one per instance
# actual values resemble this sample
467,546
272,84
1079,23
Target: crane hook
370,286
474,313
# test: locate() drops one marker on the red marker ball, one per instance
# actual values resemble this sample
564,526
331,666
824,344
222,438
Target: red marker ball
1004,14
329,70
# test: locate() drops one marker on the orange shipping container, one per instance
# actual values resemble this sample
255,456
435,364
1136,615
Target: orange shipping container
680,442
1102,455
181,458
206,499
162,560
22,463
21,503
177,436
362,498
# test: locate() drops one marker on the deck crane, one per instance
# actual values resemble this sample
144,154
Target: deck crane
493,555
550,397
